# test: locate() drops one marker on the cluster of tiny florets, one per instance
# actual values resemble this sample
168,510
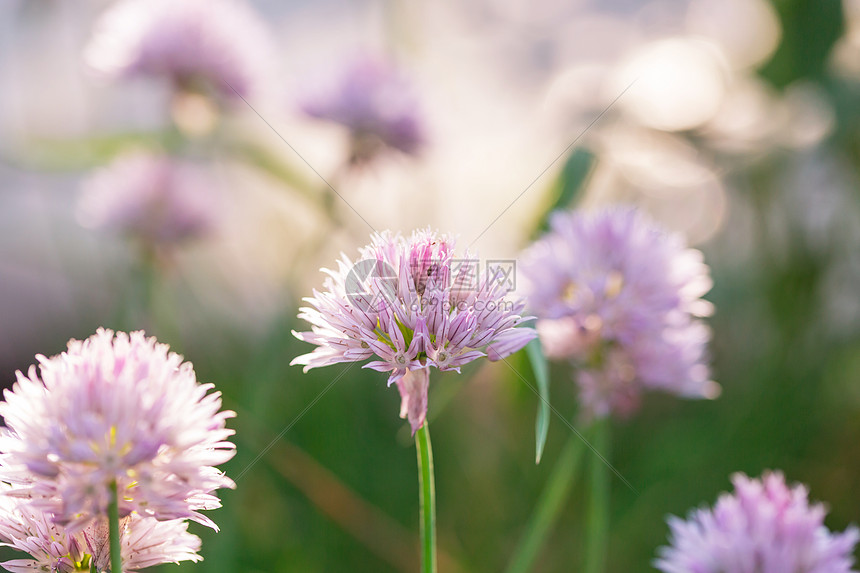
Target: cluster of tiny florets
765,526
410,304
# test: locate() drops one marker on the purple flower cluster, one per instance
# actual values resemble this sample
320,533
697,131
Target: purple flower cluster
156,199
407,304
763,527
213,46
378,106
115,410
620,298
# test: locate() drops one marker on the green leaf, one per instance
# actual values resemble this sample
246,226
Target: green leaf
540,367
570,183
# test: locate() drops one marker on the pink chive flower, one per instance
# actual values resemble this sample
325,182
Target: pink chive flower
215,46
115,409
376,103
144,541
620,298
155,199
409,305
763,527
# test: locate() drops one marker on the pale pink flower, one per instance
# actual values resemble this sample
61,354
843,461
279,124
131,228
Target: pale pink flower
28,529
409,305
144,541
115,409
763,527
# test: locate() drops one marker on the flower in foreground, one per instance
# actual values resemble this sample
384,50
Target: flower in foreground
115,410
210,46
620,298
144,541
763,527
156,199
377,104
410,304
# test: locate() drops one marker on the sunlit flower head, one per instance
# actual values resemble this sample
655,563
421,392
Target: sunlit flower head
620,298
213,46
115,409
155,199
411,304
144,541
763,527
378,106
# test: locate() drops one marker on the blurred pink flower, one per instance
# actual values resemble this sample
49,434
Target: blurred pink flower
115,409
156,199
412,305
198,45
378,106
764,527
619,297
144,541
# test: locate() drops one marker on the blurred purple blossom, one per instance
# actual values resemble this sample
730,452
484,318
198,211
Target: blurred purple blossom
156,199
619,297
409,304
198,45
376,103
763,527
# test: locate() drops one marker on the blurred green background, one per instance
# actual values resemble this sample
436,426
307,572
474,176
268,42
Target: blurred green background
333,487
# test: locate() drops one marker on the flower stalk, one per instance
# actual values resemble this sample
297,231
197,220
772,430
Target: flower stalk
427,497
597,517
113,531
550,504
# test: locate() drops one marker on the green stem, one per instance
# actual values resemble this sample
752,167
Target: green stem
597,517
113,528
549,506
427,496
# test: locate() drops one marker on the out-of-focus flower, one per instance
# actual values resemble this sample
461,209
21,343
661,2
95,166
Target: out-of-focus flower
679,83
412,305
115,409
378,106
144,541
764,527
746,31
619,297
153,198
214,46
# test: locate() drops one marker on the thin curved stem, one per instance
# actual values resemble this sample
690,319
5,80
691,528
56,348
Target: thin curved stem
549,506
427,496
597,518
